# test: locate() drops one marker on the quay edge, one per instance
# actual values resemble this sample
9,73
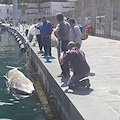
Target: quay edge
58,100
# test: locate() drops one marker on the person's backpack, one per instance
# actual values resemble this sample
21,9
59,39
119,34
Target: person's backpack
84,32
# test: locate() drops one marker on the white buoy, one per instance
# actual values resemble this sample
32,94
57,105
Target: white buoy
15,34
12,32
22,46
20,42
18,39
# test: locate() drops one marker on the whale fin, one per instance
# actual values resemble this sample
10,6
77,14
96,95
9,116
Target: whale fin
14,67
6,78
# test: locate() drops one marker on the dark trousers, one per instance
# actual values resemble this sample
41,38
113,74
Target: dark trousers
62,46
75,79
47,45
39,40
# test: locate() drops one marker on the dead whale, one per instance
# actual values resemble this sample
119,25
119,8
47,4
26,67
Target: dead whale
18,83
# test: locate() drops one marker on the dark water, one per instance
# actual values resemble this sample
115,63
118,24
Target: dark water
10,107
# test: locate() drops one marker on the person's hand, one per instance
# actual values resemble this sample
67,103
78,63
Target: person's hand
78,45
61,57
49,36
59,38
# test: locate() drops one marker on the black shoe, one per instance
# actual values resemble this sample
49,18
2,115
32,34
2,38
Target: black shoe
43,55
50,54
87,83
61,75
72,87
66,75
40,52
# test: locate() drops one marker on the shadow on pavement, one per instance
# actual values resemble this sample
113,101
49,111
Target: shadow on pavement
80,91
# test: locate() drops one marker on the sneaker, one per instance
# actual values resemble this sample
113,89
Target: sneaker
61,75
40,52
44,55
72,87
66,75
87,83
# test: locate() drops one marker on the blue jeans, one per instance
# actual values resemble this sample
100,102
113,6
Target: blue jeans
62,46
47,45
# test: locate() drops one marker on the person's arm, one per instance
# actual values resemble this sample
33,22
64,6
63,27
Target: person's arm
50,29
78,33
56,33
37,26
61,57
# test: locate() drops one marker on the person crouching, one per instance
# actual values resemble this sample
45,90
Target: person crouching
81,69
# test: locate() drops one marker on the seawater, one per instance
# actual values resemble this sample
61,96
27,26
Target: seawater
11,108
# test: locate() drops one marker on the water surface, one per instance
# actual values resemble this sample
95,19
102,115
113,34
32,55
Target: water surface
10,107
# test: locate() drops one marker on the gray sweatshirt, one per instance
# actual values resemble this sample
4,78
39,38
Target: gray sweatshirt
75,34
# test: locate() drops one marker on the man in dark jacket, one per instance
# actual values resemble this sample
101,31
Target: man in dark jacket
46,36
81,68
62,34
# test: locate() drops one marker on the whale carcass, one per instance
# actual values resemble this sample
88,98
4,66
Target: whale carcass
17,82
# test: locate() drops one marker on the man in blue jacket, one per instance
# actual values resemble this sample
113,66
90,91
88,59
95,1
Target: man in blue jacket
46,36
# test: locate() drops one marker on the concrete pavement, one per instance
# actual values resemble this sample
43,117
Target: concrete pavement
101,101
103,57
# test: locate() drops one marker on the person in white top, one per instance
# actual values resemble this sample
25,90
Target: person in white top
75,33
38,34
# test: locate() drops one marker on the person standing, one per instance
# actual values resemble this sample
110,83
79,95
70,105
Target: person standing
46,36
38,34
62,34
75,33
81,69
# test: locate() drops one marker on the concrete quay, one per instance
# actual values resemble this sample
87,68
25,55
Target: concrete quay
101,101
